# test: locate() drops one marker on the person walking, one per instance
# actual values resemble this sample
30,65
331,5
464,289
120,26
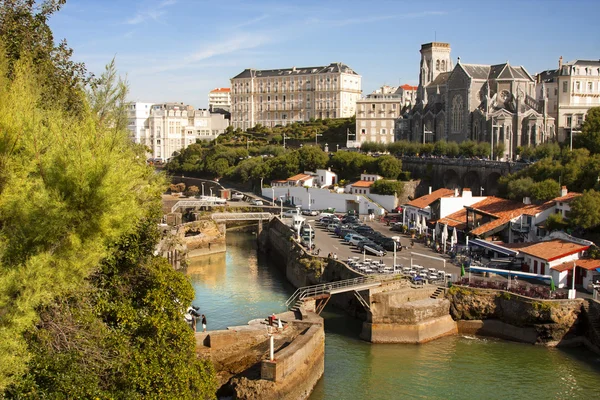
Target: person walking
203,323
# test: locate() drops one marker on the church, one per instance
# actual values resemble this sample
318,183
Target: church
491,103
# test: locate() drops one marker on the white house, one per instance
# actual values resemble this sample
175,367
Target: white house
364,185
419,208
325,177
563,203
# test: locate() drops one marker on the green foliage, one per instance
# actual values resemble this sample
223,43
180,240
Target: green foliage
556,222
312,158
389,167
589,137
519,188
386,187
544,191
349,165
585,210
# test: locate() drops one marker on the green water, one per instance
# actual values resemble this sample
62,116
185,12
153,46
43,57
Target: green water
238,286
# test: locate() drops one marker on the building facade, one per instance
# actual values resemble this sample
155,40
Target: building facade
376,115
169,127
484,103
283,96
219,99
571,90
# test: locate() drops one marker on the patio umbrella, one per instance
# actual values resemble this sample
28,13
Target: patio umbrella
454,237
462,270
445,236
552,286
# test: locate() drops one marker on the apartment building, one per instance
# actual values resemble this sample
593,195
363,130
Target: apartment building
283,96
375,116
219,99
570,91
169,127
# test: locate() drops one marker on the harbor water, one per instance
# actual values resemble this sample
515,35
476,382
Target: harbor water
239,285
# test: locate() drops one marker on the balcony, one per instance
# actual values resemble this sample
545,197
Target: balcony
520,228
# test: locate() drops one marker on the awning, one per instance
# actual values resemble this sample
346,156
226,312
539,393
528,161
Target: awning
509,272
492,246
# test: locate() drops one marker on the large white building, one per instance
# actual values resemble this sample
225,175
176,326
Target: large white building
283,96
570,91
169,127
219,99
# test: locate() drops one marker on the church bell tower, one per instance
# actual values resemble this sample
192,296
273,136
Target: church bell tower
435,59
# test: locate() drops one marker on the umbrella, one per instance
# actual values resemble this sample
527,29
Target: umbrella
445,236
552,286
462,270
454,237
437,230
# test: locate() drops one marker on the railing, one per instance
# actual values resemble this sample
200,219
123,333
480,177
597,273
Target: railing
194,204
338,286
242,216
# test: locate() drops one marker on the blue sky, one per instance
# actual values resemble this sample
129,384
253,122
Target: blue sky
178,50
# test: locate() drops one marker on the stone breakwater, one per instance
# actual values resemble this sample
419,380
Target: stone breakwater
240,355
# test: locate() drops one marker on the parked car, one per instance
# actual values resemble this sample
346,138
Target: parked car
364,243
354,239
255,202
332,227
375,250
310,212
290,213
237,196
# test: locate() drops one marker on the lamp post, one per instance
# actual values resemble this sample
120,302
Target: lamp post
317,138
281,204
309,201
337,147
211,192
309,236
202,188
573,293
273,197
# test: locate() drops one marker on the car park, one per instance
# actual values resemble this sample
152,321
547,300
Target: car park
354,239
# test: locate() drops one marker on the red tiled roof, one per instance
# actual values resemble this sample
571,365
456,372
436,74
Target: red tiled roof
553,249
569,196
221,90
488,226
406,86
426,200
586,263
455,220
299,177
363,184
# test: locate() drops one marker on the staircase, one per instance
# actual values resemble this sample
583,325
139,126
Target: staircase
297,305
438,292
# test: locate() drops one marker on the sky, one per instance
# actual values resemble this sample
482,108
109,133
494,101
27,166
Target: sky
179,50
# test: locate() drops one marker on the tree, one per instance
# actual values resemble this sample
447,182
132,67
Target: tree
585,210
589,137
467,148
389,167
440,148
556,222
193,191
499,149
545,190
312,158
387,187
519,188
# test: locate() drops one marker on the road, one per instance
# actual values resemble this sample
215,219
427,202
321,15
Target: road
329,243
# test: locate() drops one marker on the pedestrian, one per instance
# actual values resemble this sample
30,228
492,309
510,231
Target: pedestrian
203,323
329,255
334,256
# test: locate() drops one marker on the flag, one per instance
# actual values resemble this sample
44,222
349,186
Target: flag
552,286
462,270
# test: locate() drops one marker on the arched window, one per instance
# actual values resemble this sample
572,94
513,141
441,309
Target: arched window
444,65
437,65
457,113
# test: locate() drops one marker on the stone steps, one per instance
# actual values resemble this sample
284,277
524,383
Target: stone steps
435,295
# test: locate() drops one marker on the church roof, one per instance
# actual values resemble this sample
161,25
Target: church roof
507,71
331,68
476,71
441,79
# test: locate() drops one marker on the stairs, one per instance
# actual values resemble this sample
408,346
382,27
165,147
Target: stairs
438,292
297,305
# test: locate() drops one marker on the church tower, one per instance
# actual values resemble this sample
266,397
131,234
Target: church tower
435,59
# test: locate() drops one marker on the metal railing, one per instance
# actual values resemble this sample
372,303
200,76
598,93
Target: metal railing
338,286
258,216
194,204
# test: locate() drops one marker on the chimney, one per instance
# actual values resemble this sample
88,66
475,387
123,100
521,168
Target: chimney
560,59
563,191
429,189
526,200
467,194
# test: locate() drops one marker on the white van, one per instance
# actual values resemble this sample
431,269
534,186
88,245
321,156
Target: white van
323,215
291,213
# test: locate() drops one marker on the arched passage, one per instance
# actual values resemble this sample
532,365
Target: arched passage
451,179
491,184
471,180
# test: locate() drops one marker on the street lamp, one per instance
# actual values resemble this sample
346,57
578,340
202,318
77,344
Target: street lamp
309,236
202,188
273,197
317,137
281,204
337,147
211,192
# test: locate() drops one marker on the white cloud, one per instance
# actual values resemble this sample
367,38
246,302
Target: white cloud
374,18
153,13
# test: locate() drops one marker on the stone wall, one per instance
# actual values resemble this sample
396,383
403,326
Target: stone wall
202,237
592,323
549,322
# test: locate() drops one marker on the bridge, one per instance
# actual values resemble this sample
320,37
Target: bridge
453,173
194,204
250,216
321,293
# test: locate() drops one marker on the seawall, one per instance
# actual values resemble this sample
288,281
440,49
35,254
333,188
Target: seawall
240,355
